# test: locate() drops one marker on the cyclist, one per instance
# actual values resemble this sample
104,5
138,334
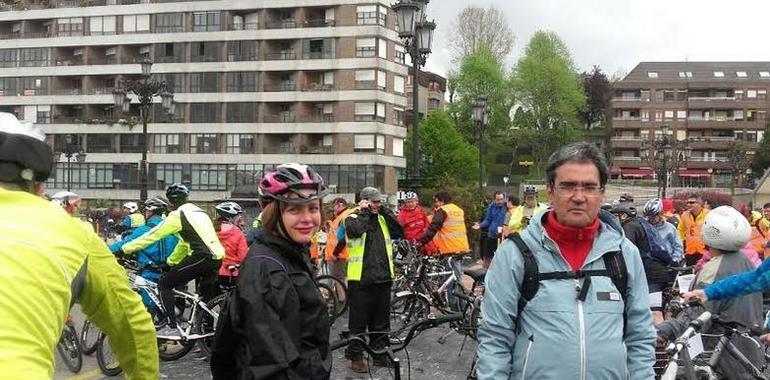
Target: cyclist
227,225
276,324
521,216
415,221
725,231
653,212
154,256
133,218
49,262
198,255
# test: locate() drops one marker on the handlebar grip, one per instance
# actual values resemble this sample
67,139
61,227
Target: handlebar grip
703,318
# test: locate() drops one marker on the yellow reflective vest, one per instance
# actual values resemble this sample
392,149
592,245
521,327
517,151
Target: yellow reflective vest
356,251
137,220
514,224
452,237
46,259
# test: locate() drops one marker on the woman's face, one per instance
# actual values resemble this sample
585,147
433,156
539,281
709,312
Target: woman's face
302,220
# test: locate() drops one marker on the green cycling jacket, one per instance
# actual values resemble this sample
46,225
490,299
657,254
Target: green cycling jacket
195,230
49,260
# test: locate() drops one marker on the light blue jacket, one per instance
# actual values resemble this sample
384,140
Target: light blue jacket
561,337
670,237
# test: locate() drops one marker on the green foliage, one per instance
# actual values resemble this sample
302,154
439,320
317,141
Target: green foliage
481,73
761,161
464,194
598,92
444,152
550,96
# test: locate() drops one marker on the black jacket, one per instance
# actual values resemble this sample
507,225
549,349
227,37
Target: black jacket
376,269
275,324
654,270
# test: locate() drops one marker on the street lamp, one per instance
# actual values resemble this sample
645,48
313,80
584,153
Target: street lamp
72,149
664,154
481,118
417,33
145,90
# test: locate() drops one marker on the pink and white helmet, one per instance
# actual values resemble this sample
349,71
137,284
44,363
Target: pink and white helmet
284,182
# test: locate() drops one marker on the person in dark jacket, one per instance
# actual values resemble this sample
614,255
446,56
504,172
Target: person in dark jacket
492,224
370,230
275,324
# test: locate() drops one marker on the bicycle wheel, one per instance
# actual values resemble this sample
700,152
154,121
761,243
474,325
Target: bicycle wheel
340,292
69,348
89,337
474,319
206,323
104,358
170,350
329,298
404,311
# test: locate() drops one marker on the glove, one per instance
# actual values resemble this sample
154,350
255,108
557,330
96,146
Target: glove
165,267
120,254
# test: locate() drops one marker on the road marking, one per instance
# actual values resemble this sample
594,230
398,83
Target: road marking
86,375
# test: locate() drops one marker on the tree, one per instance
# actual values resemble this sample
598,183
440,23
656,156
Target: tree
761,160
598,91
444,151
481,73
549,96
475,27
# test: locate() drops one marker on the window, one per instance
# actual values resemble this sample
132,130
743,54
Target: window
318,48
32,86
658,116
370,111
645,116
652,74
136,23
204,112
681,115
383,48
206,22
167,143
433,104
131,143
761,94
8,58
741,74
203,143
72,26
381,79
169,23
100,143
365,47
366,15
398,147
751,94
240,144
398,84
204,51
175,82
209,177
242,51
400,54
204,82
764,74
43,114
241,81
719,74
35,57
102,25
169,52
363,142
167,174
365,79
99,176
241,112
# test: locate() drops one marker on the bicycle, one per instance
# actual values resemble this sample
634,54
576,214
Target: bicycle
430,321
678,350
333,290
69,347
197,322
89,337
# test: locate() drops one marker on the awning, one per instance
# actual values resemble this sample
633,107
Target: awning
636,172
694,173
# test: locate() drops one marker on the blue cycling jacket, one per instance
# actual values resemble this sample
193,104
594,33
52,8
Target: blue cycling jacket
156,253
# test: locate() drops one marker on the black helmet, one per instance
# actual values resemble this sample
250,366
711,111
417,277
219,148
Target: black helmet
24,155
177,193
156,206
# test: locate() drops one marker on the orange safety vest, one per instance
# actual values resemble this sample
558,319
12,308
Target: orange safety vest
331,237
452,238
691,232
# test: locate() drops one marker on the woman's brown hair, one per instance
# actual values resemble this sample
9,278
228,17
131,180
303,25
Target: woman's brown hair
271,215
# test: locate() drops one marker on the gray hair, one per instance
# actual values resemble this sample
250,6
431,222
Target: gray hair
583,152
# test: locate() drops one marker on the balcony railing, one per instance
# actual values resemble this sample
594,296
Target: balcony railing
366,85
711,138
67,91
244,26
626,99
628,118
288,23
710,98
625,138
279,148
318,87
316,149
628,158
318,118
284,86
318,23
284,117
318,55
282,56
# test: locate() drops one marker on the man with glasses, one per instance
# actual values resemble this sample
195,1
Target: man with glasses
690,225
600,330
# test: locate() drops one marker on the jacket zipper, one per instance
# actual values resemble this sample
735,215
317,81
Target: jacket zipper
582,335
526,357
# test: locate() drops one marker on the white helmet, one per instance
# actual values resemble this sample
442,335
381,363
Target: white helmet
228,209
65,197
726,229
409,195
131,206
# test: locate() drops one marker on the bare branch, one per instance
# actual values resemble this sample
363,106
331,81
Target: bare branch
475,26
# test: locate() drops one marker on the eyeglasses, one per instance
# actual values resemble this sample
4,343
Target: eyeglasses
692,202
566,189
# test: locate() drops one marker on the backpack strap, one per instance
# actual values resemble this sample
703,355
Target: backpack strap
531,282
616,264
271,258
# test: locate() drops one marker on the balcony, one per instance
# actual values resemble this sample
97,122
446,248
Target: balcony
280,87
316,149
244,26
318,87
282,56
288,23
284,147
318,55
318,118
620,159
283,117
318,23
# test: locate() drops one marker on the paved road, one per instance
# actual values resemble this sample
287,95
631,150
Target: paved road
427,360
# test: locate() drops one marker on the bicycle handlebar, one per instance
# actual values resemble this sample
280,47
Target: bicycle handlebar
430,322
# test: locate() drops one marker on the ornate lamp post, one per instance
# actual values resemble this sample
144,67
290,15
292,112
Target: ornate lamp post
145,90
665,154
481,118
71,149
417,33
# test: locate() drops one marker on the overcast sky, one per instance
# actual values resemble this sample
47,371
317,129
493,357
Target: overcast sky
617,34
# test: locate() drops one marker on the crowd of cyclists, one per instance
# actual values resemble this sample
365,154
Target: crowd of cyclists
275,324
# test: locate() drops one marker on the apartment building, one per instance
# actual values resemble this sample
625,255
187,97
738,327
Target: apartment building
256,83
705,104
431,93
